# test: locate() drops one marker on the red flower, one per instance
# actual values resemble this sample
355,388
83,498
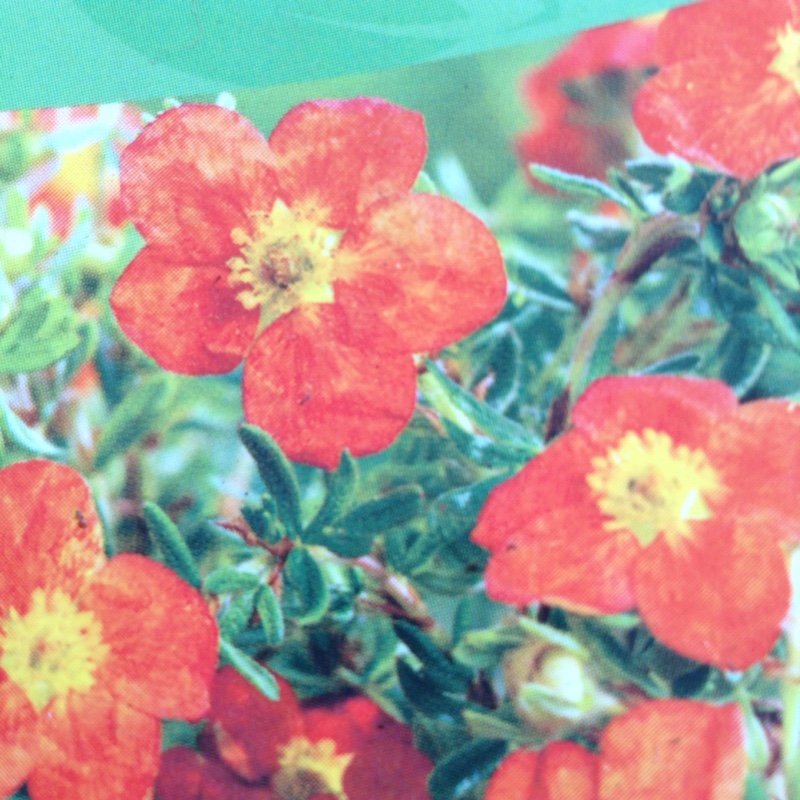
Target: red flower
577,133
257,749
728,92
91,652
660,750
309,255
664,495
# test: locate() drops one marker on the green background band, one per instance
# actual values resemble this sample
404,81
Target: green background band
72,52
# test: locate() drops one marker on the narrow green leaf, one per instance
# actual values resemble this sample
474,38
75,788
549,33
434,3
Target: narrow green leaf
426,695
340,487
484,451
452,514
441,669
680,364
139,413
262,522
230,579
477,416
577,185
775,312
235,614
305,593
277,473
458,775
269,611
177,555
259,676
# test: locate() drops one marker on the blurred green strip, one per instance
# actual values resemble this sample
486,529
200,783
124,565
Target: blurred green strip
72,52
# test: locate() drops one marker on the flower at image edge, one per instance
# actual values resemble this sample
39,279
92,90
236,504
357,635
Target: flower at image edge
307,255
727,94
661,749
666,496
92,652
255,748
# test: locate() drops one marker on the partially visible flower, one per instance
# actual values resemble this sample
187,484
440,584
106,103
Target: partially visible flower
259,749
92,652
728,91
659,750
658,478
308,256
582,100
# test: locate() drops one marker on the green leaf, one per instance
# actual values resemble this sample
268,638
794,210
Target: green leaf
596,232
426,695
235,614
262,522
258,676
15,432
464,409
230,579
484,451
679,364
340,487
177,555
269,611
458,775
437,665
577,185
41,330
140,412
305,593
775,312
277,474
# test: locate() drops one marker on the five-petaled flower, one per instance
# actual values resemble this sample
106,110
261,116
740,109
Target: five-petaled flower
308,255
257,749
92,652
582,98
728,91
660,750
662,496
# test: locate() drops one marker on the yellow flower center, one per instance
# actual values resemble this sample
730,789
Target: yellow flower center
52,650
285,260
786,63
309,768
648,486
77,174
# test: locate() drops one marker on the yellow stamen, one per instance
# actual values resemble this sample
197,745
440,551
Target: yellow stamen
309,768
786,63
52,650
286,259
648,486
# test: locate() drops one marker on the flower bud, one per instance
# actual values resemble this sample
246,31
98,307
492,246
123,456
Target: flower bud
550,685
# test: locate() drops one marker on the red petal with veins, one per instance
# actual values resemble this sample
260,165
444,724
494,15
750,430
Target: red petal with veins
186,318
191,177
337,157
320,383
163,638
432,269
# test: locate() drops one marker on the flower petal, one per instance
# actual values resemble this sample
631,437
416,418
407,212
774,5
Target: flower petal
433,269
192,176
547,536
187,775
249,729
728,616
162,635
186,318
340,156
318,384
94,749
685,408
561,771
19,739
50,536
386,762
665,749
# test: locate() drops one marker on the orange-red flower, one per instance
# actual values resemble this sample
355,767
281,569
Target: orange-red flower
662,749
92,652
256,749
665,495
728,91
587,131
309,255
